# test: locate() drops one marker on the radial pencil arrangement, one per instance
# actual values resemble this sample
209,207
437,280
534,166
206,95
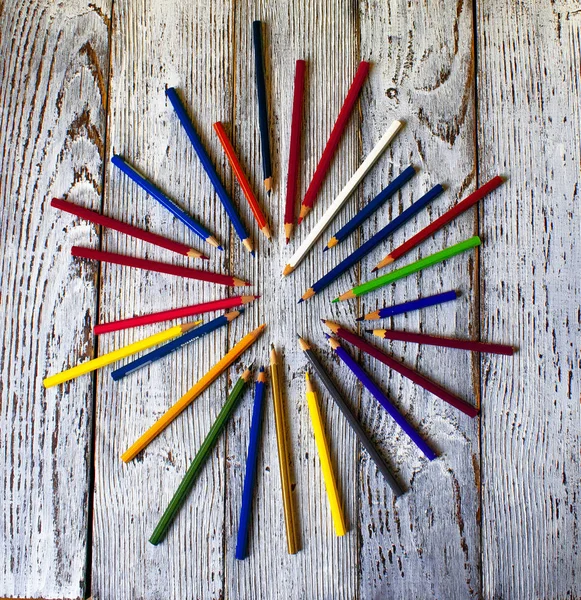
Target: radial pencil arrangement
167,341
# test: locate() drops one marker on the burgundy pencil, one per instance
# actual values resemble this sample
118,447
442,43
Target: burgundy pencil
159,267
334,138
448,216
433,340
136,232
295,149
174,313
412,375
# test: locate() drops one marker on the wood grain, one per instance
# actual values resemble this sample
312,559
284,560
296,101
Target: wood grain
53,76
529,129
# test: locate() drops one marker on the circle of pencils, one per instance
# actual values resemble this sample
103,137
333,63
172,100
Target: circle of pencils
173,313
158,267
136,232
398,309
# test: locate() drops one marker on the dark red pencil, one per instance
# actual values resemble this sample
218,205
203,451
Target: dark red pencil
334,138
159,267
412,375
295,149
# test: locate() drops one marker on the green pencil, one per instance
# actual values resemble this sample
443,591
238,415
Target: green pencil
433,259
200,458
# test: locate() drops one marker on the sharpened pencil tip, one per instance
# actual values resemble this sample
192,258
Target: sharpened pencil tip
323,320
335,301
287,240
299,220
301,300
327,336
374,269
325,248
369,330
359,319
204,257
221,248
299,336
253,254
261,370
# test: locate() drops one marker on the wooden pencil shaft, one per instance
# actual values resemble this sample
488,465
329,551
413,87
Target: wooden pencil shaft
202,455
345,193
354,423
283,458
261,97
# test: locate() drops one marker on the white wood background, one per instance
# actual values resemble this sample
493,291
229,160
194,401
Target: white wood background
489,87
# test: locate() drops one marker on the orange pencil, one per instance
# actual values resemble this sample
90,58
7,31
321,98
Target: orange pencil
242,179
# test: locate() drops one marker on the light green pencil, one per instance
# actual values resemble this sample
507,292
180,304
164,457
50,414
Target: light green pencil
433,259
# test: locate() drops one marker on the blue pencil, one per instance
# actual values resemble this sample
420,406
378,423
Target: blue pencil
372,242
262,108
251,464
398,309
187,124
165,201
174,344
364,378
371,207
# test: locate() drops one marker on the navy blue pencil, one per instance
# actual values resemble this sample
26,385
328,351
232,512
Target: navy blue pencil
398,309
372,242
225,199
174,344
251,464
364,378
166,202
262,108
371,207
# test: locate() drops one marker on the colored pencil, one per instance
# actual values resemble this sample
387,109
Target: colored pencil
283,454
262,106
173,313
325,458
191,394
174,344
407,372
115,355
433,340
372,242
241,178
448,216
351,419
165,201
374,390
158,267
423,263
225,199
398,309
202,455
371,207
294,155
334,139
136,232
343,196
251,467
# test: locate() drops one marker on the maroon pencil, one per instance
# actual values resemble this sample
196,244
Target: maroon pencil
159,267
434,340
295,149
412,375
136,232
334,138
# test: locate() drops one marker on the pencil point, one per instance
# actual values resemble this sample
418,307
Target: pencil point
299,336
204,257
369,330
359,319
335,301
221,248
299,220
287,240
301,300
374,269
252,253
325,248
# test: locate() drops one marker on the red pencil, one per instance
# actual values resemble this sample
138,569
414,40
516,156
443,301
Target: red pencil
174,313
242,179
433,340
159,267
136,232
295,149
448,216
334,138
412,375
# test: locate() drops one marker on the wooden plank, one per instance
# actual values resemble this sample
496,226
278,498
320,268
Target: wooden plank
324,34
53,77
186,45
529,74
425,545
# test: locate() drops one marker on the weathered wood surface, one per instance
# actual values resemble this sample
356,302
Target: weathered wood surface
64,112
529,129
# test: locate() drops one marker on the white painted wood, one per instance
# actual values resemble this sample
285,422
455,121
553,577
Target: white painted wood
529,129
53,74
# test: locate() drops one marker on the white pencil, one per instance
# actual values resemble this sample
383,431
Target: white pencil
343,196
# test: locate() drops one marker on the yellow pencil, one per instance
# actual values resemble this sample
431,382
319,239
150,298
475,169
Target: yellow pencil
191,395
324,455
115,355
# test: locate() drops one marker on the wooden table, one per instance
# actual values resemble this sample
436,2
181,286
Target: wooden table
485,88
